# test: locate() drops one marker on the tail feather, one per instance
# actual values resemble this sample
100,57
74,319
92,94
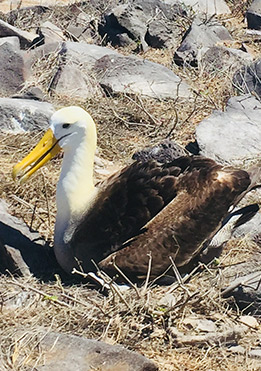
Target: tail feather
247,213
255,182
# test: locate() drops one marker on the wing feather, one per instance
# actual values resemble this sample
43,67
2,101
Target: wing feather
204,195
125,203
166,209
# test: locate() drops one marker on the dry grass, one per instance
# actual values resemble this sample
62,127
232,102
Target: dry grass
142,319
140,322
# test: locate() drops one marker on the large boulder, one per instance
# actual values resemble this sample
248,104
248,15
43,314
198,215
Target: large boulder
69,352
201,36
114,72
225,60
149,22
75,53
74,77
138,76
84,54
13,69
160,34
124,20
234,136
19,115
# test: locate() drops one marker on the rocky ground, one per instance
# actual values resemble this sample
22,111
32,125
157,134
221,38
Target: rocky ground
146,71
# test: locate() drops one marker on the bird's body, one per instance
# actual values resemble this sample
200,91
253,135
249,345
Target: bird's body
165,210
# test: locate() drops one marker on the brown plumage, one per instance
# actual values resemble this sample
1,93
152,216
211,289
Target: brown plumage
164,210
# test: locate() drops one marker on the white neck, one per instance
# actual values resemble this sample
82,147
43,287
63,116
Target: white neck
75,188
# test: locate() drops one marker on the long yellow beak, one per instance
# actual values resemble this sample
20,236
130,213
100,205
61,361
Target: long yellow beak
46,149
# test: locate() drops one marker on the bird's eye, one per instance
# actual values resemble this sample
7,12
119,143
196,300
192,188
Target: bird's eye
65,126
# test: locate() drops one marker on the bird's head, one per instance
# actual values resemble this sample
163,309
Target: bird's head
68,127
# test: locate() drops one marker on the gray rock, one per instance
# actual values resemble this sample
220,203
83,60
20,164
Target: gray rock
44,51
254,33
19,115
11,260
134,75
114,72
13,71
70,352
124,19
159,8
248,79
79,33
253,15
125,40
21,250
201,36
252,353
249,321
25,37
33,92
51,32
84,19
222,59
142,21
233,136
85,54
72,82
245,289
85,27
75,53
13,40
160,34
76,61
209,7
74,77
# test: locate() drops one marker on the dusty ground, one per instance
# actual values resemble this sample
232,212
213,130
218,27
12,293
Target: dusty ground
140,320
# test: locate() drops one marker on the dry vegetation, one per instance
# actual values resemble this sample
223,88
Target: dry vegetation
140,319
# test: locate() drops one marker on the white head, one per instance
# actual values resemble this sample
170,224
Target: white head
69,127
70,124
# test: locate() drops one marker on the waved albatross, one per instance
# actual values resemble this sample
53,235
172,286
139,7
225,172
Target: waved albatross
166,210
